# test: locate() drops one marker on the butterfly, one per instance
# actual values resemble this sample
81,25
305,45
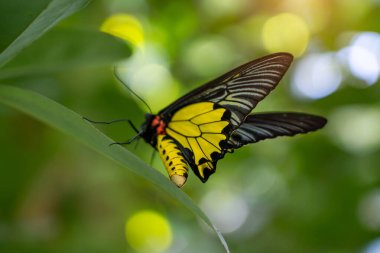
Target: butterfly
198,129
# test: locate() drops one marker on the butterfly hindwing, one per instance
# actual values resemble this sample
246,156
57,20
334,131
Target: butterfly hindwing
202,130
257,127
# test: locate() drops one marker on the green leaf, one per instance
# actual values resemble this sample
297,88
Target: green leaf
22,22
72,49
71,123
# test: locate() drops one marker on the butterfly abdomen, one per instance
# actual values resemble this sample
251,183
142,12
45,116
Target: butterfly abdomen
173,159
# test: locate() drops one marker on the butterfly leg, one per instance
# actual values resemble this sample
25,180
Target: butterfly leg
152,157
138,135
137,144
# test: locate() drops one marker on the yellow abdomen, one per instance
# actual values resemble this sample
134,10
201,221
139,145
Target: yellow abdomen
173,159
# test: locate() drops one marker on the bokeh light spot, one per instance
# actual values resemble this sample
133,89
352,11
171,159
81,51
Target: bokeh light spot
356,128
373,247
286,32
369,40
316,13
207,56
369,210
125,27
316,76
363,57
226,209
219,8
363,65
148,231
148,75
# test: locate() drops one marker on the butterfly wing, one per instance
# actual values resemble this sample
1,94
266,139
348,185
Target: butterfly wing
257,127
240,89
203,120
202,130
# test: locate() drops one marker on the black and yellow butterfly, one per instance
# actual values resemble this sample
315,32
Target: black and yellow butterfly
199,128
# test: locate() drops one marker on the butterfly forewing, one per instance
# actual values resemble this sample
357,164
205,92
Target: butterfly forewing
240,89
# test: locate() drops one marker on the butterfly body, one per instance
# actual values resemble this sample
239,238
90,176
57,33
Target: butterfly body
153,126
173,159
199,128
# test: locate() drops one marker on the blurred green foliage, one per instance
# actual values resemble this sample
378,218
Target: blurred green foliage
313,193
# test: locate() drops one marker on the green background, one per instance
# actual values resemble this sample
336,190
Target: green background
312,193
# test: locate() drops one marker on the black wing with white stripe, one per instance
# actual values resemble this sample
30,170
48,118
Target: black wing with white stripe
258,127
240,89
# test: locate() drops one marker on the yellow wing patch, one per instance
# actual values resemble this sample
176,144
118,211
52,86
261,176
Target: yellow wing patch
211,116
213,127
200,128
193,110
187,127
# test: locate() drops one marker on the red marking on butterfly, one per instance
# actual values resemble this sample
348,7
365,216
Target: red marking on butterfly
159,124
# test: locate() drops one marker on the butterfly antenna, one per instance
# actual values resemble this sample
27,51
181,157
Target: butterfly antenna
113,121
130,90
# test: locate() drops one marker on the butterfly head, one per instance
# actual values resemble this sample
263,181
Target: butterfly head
153,126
